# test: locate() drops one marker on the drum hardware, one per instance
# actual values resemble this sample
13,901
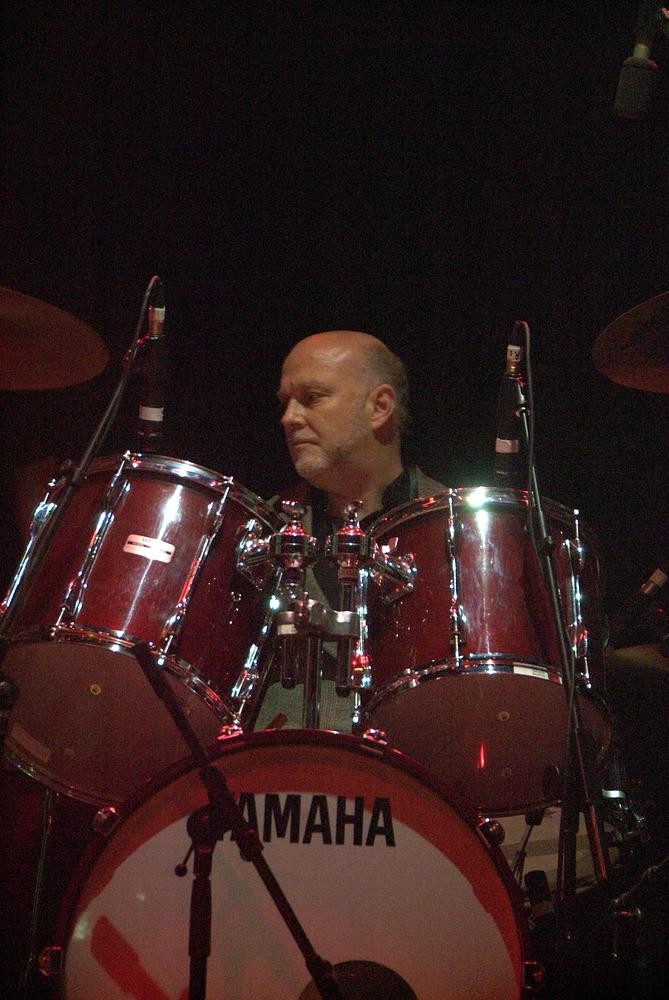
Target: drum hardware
532,820
542,919
579,793
293,551
492,830
247,690
73,596
359,559
572,598
252,556
630,918
350,548
302,624
44,835
644,613
206,826
580,767
394,576
626,825
456,618
305,626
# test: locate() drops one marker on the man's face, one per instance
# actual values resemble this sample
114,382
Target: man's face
325,418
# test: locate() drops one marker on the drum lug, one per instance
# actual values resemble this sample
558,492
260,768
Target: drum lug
105,820
50,961
252,555
492,830
394,575
229,731
375,738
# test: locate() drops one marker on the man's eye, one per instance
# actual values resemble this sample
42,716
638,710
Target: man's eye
313,397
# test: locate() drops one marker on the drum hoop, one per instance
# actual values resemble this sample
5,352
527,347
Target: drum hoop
309,737
485,496
89,635
190,472
473,665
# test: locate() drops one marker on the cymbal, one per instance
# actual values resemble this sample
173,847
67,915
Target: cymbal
43,347
633,350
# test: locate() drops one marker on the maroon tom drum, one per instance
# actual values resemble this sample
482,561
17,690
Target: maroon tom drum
466,671
149,549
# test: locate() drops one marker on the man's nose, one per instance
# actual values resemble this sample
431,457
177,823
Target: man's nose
293,415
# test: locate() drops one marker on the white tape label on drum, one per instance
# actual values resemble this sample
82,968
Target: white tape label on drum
528,670
150,548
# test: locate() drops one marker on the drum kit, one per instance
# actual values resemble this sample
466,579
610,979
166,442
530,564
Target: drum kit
154,600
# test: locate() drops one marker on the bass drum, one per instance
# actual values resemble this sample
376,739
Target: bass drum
390,878
489,718
148,550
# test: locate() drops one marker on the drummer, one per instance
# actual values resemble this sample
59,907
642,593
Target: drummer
344,403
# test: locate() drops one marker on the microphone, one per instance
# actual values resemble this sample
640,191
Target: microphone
154,380
507,442
636,82
639,604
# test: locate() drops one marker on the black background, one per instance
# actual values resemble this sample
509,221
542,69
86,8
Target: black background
427,172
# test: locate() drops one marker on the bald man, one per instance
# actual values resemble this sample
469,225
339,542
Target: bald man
344,399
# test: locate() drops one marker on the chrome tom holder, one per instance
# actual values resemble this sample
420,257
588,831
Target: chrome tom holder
303,625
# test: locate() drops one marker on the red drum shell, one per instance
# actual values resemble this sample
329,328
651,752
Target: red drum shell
363,844
131,548
493,722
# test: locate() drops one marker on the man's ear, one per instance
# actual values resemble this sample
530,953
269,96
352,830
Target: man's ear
382,406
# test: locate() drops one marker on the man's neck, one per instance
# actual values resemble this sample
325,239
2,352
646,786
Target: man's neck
370,492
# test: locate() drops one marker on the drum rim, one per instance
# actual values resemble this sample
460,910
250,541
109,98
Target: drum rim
179,668
429,503
183,469
295,737
91,635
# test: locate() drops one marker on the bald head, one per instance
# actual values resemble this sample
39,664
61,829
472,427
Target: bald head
368,359
343,394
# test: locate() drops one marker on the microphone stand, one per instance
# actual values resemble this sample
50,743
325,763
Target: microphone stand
578,778
206,826
37,547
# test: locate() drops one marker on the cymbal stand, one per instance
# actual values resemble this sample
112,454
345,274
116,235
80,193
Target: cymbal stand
578,780
206,826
